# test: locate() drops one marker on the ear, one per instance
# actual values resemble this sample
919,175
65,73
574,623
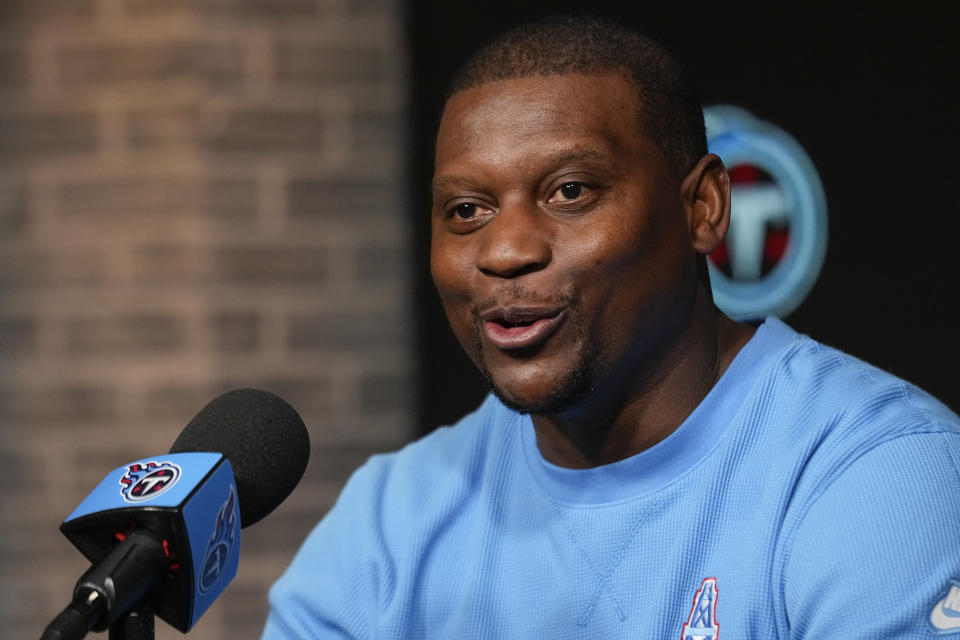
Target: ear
705,194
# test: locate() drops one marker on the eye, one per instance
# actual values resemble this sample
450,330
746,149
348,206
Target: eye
571,190
463,211
568,191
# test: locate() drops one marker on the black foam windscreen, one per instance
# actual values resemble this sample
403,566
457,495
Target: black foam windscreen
263,437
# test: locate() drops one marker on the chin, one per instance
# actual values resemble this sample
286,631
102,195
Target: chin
548,399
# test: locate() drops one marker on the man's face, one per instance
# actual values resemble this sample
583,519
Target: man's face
560,248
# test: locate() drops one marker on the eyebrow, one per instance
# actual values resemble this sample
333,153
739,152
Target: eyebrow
451,181
562,157
578,153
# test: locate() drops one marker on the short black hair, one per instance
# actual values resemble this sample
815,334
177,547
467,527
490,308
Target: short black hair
671,113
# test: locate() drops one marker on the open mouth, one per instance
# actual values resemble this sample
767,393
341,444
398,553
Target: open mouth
519,323
513,329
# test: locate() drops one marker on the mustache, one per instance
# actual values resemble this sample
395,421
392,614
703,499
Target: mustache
518,295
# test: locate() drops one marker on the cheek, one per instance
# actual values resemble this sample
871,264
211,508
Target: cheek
452,272
451,269
603,257
630,275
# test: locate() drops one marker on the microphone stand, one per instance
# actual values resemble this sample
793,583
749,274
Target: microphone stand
118,582
134,625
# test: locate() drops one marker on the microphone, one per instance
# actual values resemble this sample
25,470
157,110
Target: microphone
164,532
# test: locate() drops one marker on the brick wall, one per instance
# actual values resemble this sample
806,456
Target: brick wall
195,195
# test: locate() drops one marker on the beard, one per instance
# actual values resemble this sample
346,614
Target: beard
573,387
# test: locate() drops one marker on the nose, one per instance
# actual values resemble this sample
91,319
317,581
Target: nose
516,242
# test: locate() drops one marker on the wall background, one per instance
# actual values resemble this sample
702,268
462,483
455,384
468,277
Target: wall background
195,195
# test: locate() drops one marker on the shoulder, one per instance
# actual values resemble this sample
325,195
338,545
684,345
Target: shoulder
832,410
820,390
864,542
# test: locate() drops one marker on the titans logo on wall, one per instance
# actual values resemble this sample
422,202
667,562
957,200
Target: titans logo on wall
218,549
778,223
146,480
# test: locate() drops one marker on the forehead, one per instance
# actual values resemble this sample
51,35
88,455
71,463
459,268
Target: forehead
553,110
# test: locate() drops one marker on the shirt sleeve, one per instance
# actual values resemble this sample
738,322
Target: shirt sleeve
877,555
331,588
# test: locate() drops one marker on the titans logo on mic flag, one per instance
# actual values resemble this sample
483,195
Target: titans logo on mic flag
146,480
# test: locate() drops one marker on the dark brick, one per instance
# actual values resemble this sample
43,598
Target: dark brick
346,331
383,392
321,63
12,222
269,265
13,209
161,128
375,129
13,472
18,336
128,198
33,11
131,334
218,64
152,8
235,331
376,264
174,402
315,199
260,9
104,63
363,8
37,133
169,263
133,200
119,63
257,130
64,404
13,67
30,268
233,199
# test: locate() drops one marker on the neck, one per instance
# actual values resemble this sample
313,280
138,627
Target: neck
631,413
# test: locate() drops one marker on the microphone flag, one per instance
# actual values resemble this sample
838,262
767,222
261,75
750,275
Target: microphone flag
190,501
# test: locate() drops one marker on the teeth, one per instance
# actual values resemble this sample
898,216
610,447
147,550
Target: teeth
520,323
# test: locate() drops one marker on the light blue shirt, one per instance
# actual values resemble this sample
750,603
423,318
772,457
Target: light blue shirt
809,495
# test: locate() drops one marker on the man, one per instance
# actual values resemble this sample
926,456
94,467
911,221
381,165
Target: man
646,467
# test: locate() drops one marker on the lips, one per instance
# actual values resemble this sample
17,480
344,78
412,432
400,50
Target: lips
512,328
